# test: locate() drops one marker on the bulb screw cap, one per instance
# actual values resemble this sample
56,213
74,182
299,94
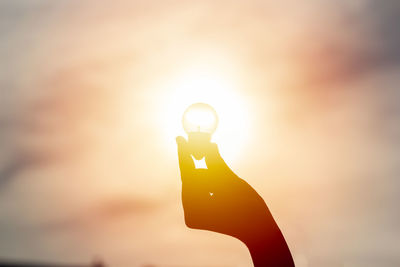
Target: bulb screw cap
198,143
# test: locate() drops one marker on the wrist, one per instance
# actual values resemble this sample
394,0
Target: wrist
269,249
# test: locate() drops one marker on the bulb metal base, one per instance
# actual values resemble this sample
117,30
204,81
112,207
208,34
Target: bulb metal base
198,143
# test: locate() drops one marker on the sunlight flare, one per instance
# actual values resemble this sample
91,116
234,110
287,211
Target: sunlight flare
217,85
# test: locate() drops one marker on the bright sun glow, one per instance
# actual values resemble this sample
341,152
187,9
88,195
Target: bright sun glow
214,84
200,117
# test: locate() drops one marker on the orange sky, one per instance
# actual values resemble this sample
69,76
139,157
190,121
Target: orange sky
89,92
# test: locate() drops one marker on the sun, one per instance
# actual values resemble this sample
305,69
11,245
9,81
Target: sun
217,85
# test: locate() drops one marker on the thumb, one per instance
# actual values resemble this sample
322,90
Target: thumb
186,164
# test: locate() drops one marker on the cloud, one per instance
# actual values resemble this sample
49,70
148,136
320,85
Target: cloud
105,212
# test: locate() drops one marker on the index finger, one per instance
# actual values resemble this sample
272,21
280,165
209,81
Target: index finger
215,162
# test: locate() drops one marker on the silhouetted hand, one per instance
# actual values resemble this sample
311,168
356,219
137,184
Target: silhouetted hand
215,199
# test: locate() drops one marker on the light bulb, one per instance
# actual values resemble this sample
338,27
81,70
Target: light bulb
199,122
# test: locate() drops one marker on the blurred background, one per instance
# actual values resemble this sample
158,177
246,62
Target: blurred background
91,96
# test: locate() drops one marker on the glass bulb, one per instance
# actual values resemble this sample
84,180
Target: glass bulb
201,118
199,122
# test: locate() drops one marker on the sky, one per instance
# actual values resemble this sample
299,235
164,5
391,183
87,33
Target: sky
91,99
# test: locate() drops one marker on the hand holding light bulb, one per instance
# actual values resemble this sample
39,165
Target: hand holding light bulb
215,199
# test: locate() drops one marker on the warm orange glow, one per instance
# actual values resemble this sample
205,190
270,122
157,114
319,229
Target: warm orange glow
89,111
217,83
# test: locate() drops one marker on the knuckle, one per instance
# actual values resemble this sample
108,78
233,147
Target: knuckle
191,223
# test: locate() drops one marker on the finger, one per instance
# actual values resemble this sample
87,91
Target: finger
214,160
186,164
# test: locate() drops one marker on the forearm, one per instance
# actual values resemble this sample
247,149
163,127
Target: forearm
270,250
